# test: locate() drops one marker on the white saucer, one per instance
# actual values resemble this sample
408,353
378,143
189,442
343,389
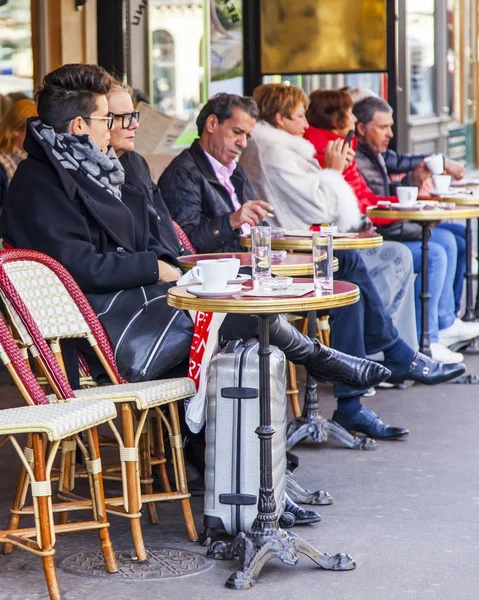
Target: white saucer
241,278
197,290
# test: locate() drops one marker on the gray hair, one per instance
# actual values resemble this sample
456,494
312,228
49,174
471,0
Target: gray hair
222,106
367,108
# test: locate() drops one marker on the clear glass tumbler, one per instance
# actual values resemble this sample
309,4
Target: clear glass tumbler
261,252
323,262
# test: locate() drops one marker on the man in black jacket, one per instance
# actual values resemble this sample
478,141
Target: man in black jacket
376,162
207,192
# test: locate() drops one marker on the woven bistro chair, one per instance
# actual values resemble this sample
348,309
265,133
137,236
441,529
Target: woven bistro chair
45,303
57,422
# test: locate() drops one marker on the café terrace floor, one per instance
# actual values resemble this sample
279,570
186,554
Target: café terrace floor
408,513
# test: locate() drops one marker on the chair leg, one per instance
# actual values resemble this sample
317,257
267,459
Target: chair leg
159,452
66,471
146,475
292,390
98,499
20,493
324,330
180,471
132,481
45,518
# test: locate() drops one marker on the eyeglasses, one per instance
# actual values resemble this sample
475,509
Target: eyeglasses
127,118
109,118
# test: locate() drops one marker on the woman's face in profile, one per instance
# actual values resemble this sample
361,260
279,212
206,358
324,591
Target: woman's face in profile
296,124
123,135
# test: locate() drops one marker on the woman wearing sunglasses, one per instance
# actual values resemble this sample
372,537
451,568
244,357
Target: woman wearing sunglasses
138,181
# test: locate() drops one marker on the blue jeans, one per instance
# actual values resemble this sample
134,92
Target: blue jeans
459,232
442,270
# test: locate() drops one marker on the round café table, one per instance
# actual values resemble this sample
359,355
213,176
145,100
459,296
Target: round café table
266,540
425,218
294,265
471,312
358,241
311,424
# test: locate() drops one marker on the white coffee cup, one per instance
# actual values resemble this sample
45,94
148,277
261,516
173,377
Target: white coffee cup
234,264
435,163
407,195
441,183
212,274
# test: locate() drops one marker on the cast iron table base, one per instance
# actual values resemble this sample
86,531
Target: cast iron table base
469,314
312,424
425,296
266,540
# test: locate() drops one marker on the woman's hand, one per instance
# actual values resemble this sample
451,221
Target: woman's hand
167,272
336,155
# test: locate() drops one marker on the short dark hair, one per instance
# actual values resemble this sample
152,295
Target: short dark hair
222,106
71,91
328,109
367,108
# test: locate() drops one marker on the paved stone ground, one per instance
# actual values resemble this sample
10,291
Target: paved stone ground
408,513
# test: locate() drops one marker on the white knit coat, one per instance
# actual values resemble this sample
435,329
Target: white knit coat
283,171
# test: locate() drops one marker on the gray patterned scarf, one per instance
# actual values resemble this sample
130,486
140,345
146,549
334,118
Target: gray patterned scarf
80,153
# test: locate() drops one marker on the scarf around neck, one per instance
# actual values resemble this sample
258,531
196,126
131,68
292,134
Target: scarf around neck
80,153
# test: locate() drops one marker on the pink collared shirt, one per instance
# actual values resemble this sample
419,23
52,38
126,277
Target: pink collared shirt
223,175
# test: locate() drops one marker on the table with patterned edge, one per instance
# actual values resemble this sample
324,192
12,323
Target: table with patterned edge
295,265
425,218
289,242
266,540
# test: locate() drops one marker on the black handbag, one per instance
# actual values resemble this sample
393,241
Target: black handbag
148,336
401,231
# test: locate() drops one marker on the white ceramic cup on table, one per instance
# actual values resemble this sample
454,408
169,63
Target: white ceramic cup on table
441,183
234,265
212,274
406,194
435,163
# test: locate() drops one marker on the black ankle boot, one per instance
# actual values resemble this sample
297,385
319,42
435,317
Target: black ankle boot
323,363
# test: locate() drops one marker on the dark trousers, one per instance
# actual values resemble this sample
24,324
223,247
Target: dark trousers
362,328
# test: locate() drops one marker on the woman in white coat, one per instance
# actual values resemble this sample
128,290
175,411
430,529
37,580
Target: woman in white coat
283,171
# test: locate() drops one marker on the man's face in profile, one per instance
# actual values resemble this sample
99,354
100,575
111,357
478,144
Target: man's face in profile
228,139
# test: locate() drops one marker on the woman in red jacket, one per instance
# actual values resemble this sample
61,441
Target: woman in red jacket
330,116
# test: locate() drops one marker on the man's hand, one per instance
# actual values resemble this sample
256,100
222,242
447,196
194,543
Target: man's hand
336,156
167,272
251,213
420,174
454,168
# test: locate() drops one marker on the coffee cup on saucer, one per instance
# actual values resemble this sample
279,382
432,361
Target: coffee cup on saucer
212,274
234,265
407,195
435,163
441,183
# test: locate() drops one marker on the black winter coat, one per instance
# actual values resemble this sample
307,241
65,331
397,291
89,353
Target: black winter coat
199,203
104,243
138,186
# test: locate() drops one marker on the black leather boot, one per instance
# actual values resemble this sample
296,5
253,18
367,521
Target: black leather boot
323,363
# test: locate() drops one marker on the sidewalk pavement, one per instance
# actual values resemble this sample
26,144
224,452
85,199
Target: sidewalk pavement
408,513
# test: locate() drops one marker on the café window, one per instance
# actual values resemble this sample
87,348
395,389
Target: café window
420,33
163,64
16,62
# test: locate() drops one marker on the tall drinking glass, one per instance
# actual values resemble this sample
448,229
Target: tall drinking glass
323,262
261,252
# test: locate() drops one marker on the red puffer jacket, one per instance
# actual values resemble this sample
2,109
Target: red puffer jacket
366,197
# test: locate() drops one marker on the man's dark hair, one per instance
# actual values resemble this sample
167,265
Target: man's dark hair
367,108
222,105
71,91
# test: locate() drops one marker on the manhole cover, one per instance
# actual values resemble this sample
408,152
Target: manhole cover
162,563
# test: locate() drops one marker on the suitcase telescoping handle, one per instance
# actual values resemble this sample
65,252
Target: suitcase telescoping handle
239,392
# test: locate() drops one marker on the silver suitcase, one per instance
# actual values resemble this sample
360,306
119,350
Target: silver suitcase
232,446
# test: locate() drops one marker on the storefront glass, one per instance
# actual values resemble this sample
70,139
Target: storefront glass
420,45
16,63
